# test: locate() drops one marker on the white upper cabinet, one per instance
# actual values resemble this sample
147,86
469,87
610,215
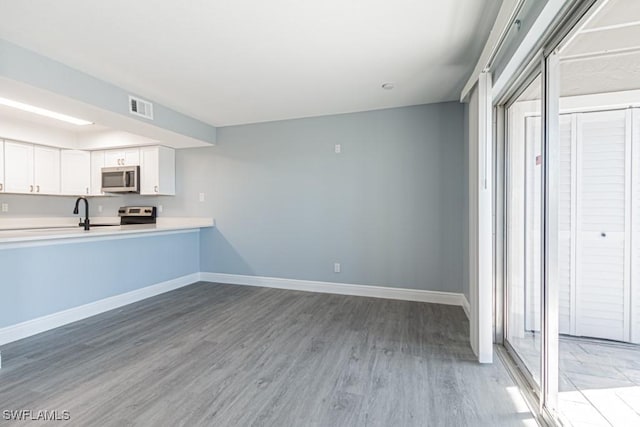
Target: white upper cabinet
18,173
46,170
75,172
31,169
97,163
122,157
158,171
36,169
1,166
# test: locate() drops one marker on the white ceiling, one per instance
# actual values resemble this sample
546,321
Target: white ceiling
604,54
243,61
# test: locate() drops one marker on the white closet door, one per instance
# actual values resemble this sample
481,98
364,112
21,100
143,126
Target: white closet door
603,180
566,224
635,253
533,215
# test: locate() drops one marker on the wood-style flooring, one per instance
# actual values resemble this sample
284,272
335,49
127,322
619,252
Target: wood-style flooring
224,355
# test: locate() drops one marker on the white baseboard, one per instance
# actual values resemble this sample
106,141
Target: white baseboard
41,324
436,297
466,306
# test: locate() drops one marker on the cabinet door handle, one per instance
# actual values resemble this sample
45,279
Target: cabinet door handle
87,190
155,188
1,186
37,188
31,189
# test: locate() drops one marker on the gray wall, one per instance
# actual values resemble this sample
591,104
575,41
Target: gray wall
390,208
465,204
38,281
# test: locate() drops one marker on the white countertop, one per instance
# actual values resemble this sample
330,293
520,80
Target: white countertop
19,230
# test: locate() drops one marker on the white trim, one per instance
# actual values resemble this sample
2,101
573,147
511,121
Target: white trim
435,297
543,21
482,304
41,324
466,307
504,21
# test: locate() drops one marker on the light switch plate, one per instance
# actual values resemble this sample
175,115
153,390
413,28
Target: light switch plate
338,148
202,197
5,207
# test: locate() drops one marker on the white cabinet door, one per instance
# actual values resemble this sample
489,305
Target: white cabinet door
18,171
75,172
603,226
149,170
97,163
122,157
1,166
112,158
46,166
157,170
131,157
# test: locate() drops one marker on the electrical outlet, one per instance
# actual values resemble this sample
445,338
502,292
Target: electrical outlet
201,197
336,267
160,208
5,207
100,208
338,148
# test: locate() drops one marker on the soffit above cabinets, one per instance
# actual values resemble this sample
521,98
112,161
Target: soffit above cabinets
234,62
123,131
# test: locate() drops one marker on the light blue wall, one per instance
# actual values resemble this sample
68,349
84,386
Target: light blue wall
389,208
28,67
36,281
465,207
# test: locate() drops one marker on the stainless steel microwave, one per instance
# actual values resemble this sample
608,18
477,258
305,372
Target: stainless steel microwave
122,179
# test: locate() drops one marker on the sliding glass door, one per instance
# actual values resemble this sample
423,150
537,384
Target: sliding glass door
571,213
524,233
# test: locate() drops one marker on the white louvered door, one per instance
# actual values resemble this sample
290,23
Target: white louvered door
602,299
533,214
635,212
567,224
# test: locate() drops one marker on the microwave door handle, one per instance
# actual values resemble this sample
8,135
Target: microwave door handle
125,179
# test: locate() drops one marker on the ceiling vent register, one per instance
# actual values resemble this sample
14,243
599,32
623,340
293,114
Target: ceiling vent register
140,107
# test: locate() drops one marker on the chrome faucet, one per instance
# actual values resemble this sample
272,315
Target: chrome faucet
86,212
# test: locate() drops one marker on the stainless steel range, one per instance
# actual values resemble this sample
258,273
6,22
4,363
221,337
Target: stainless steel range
130,215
